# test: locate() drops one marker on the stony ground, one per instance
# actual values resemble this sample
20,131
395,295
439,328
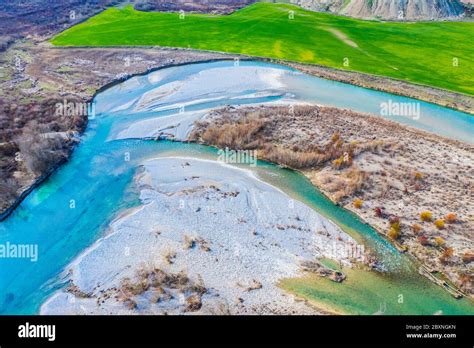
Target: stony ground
208,238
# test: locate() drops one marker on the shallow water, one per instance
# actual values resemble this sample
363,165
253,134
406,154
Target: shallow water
69,211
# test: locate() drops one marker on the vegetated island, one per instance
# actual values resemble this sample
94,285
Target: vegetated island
414,187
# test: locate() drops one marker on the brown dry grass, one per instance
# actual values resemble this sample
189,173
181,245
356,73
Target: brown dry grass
161,284
256,129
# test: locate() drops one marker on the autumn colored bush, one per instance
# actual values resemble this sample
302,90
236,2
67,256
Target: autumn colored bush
426,216
451,218
393,233
439,223
439,241
418,176
378,212
358,203
416,228
446,255
465,278
338,163
395,223
423,240
468,257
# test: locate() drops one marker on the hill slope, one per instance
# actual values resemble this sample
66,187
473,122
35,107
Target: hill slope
390,9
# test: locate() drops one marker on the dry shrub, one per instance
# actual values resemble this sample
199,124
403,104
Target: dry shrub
439,223
38,152
160,282
451,218
393,234
338,163
193,303
169,256
254,285
358,203
423,240
468,257
131,304
8,190
373,146
446,255
416,228
346,184
418,176
289,158
356,179
239,135
189,242
439,241
426,215
254,130
465,279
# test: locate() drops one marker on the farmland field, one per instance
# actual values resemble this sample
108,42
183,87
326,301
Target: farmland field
439,54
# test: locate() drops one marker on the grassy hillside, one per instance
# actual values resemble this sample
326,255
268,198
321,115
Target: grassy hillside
417,52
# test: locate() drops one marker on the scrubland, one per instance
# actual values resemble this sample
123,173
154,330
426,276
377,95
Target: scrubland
413,187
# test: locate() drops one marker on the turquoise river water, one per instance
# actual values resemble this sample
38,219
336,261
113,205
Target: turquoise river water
72,209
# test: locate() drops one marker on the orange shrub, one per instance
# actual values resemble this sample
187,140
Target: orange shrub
426,216
439,224
451,218
358,203
468,257
465,278
447,253
416,228
418,176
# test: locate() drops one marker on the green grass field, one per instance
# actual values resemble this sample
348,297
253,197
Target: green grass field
418,52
